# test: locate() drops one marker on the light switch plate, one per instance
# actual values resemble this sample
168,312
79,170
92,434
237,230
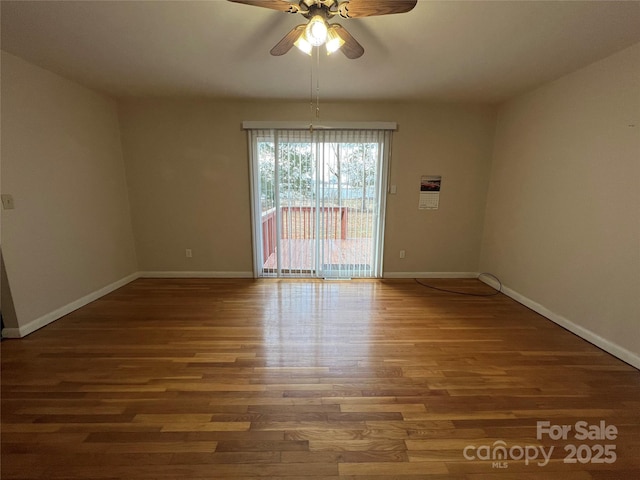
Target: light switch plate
7,202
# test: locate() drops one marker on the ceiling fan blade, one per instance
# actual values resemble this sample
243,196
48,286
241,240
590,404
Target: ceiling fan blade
370,8
281,5
351,48
284,45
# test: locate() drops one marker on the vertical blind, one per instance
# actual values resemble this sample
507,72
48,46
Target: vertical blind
318,201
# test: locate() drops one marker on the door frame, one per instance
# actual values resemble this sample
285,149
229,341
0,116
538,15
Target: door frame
254,178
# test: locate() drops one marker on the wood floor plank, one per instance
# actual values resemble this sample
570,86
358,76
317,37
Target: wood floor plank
296,379
357,445
392,469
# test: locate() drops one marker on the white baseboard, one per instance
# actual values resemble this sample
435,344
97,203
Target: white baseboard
50,317
430,275
196,274
613,348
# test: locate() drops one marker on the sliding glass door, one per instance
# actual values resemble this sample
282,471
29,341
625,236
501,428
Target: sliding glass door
318,202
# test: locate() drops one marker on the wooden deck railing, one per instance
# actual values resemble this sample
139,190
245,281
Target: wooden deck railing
301,223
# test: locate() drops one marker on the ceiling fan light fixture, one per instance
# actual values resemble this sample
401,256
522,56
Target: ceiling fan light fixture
334,41
316,31
303,45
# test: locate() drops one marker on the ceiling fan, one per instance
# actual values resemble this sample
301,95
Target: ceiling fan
318,31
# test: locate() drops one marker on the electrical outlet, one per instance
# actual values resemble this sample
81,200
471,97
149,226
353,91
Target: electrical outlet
188,253
402,253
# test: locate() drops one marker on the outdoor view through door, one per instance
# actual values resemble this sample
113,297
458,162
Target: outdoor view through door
318,202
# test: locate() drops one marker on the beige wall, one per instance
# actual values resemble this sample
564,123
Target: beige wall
563,211
188,174
561,226
70,233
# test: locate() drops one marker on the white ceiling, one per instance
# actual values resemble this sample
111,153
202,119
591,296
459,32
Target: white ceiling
478,51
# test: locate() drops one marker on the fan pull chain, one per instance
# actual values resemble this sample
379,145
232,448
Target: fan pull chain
311,95
315,109
318,83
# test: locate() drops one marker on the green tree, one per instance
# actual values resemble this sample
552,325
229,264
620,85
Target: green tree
295,173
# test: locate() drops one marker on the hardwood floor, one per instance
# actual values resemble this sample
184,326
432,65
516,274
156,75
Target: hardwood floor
241,379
